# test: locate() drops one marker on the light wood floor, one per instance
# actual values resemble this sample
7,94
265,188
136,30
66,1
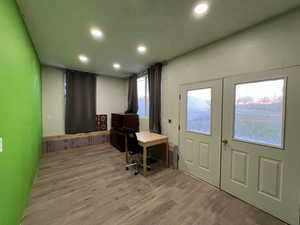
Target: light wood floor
91,187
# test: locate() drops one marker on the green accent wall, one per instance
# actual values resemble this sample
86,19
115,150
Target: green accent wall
20,114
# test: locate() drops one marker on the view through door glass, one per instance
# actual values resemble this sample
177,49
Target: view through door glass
259,112
199,110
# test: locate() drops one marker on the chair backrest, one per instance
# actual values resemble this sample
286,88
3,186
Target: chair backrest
132,142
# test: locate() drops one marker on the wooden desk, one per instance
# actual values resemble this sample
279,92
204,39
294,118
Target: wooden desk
147,139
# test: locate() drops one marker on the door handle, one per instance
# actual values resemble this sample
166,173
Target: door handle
225,142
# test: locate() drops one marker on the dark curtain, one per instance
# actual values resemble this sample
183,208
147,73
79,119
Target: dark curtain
80,114
132,95
154,77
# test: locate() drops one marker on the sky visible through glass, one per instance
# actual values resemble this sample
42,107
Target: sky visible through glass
141,87
143,96
259,90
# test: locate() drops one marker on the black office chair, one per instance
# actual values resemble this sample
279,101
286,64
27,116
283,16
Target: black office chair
135,151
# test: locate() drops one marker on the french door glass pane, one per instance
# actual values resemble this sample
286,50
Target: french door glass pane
199,110
259,112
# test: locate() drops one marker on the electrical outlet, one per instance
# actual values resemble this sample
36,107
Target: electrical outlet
1,144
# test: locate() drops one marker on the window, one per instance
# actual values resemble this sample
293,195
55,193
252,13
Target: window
259,112
143,96
199,110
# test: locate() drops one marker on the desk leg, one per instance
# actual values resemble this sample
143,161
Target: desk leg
145,160
126,150
167,154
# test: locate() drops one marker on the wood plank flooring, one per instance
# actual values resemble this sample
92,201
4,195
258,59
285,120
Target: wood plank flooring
91,187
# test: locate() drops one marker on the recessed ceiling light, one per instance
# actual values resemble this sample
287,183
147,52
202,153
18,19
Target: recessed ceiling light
116,66
142,49
83,58
201,8
96,33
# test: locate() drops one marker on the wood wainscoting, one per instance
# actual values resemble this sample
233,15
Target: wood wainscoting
68,142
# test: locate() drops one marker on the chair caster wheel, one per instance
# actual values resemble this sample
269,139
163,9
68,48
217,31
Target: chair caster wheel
136,173
126,168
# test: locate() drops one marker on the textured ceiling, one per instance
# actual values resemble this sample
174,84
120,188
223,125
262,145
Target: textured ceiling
60,29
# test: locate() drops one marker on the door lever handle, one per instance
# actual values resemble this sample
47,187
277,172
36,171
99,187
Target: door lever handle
225,142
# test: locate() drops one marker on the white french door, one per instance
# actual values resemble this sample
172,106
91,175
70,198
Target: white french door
200,133
260,153
258,117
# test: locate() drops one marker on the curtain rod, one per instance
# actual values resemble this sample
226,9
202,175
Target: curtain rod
144,72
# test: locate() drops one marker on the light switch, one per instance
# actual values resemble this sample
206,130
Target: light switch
1,145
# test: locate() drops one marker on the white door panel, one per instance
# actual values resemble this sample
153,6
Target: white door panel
263,173
200,134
